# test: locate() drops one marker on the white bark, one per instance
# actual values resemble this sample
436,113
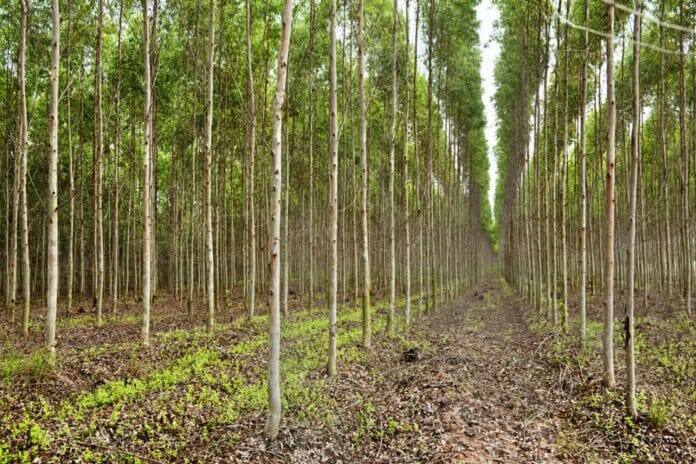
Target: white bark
629,341
23,148
608,332
366,321
52,255
71,184
273,422
115,241
333,193
210,259
98,173
251,141
407,231
146,179
583,184
392,154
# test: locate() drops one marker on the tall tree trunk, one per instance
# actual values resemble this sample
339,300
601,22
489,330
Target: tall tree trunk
417,172
582,299
81,158
23,150
392,155
52,258
71,178
608,332
663,153
629,341
154,59
564,181
117,148
251,153
406,216
311,153
333,192
98,228
430,226
686,239
366,320
273,421
147,236
210,260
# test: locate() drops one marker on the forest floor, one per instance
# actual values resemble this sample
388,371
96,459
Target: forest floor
480,380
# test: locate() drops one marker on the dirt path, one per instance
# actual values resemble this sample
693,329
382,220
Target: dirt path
505,412
478,394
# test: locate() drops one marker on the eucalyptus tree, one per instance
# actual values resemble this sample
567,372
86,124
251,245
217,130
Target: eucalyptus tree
21,167
210,259
115,244
147,126
52,258
366,319
98,174
71,172
608,330
406,218
582,290
629,335
273,422
686,234
392,155
333,192
429,203
250,169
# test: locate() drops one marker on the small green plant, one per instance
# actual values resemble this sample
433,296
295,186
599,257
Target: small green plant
559,351
35,365
395,426
366,423
594,400
29,439
10,365
659,412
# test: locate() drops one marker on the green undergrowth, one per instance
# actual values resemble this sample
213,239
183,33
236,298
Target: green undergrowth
665,353
221,382
14,365
35,440
119,391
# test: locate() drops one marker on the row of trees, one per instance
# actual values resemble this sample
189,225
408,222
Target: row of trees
598,187
377,157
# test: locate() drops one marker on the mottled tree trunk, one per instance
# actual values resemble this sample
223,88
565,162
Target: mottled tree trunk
629,341
52,258
273,422
98,227
251,149
392,155
23,155
210,260
366,320
608,332
333,193
147,236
